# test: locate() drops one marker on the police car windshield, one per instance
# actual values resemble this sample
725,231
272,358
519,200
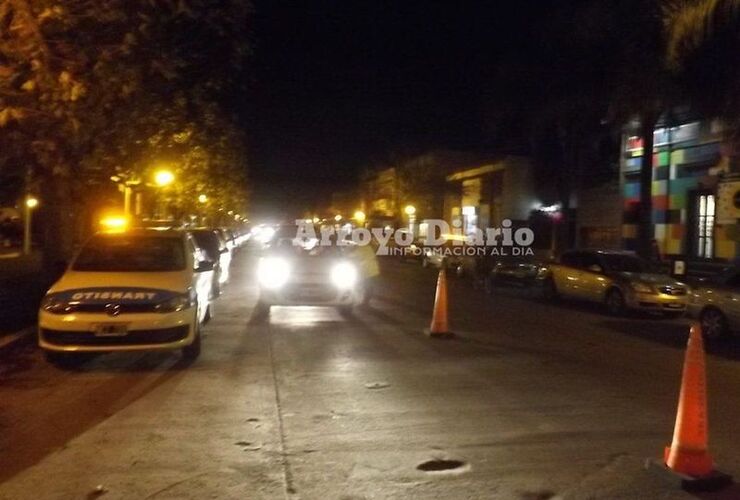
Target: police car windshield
131,254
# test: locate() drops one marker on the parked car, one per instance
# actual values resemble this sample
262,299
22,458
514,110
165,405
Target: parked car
412,253
619,280
715,302
451,254
215,247
519,271
127,291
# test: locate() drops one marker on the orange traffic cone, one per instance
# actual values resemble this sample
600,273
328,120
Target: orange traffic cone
439,326
688,454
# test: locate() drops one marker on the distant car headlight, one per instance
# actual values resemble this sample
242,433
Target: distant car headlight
640,287
266,234
55,305
344,275
542,272
177,303
273,272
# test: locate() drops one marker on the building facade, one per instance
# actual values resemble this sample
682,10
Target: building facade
690,170
485,194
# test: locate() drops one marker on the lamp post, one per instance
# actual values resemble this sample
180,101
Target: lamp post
127,183
410,210
29,204
202,200
163,178
360,218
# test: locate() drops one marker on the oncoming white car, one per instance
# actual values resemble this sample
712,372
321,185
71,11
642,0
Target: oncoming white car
135,290
293,275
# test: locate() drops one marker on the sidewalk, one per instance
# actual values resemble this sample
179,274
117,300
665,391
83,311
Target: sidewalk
21,289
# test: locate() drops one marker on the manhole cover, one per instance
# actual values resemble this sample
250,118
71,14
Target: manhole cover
439,465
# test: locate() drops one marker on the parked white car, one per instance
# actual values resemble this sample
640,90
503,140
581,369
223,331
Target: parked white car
128,291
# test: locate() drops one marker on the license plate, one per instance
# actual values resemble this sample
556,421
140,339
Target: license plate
111,330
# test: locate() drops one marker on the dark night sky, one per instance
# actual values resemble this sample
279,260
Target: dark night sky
341,85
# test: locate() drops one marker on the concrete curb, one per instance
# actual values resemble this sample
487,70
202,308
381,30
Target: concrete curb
13,340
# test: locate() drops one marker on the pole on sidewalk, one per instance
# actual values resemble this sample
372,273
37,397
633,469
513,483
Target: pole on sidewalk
29,204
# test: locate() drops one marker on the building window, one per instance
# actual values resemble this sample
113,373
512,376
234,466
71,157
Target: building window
705,226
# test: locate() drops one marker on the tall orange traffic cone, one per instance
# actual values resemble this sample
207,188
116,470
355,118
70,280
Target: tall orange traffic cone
688,454
439,326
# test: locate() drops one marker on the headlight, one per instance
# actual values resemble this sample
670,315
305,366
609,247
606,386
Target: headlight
273,272
178,303
641,287
54,305
344,275
266,234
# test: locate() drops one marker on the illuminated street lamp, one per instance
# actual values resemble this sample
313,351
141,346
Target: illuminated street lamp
410,210
359,217
202,199
337,217
29,204
163,178
114,222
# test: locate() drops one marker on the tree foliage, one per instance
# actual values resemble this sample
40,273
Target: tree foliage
92,88
703,42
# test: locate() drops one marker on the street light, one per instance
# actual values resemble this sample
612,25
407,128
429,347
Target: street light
359,217
202,198
30,204
114,223
163,178
337,217
411,212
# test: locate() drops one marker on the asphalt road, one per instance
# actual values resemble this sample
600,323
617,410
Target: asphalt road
534,401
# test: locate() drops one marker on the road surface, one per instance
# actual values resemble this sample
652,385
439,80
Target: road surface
529,401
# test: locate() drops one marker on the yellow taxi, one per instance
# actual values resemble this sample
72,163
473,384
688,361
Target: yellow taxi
617,279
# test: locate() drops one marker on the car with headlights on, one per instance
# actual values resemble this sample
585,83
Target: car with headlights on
715,302
305,273
128,291
619,280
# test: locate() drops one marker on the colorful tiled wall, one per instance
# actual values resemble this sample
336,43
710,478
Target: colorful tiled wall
675,175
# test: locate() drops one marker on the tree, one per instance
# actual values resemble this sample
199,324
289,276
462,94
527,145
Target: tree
703,40
554,93
89,88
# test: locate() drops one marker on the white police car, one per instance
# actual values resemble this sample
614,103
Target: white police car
125,291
